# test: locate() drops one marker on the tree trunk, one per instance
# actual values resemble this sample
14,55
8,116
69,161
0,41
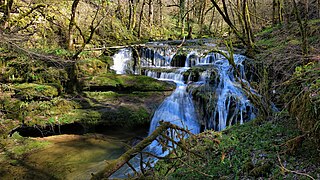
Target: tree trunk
161,13
302,27
240,17
202,16
150,13
280,11
248,28
181,14
140,18
212,19
226,18
130,18
7,7
318,8
72,24
274,12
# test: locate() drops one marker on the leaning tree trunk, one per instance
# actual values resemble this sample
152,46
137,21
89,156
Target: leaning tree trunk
113,166
226,18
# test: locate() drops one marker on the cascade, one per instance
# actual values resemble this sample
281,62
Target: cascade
229,91
121,60
230,103
177,109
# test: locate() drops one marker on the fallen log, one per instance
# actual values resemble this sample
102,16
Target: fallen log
114,165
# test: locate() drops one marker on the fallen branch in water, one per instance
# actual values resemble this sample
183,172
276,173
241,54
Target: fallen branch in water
113,166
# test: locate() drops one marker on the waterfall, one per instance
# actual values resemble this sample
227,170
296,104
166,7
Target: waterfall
121,60
230,91
230,104
177,109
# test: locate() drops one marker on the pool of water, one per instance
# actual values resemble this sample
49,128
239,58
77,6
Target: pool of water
77,156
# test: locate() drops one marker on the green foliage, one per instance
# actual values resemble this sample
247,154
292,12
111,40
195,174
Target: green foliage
304,88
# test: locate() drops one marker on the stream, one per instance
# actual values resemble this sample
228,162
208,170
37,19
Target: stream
208,95
161,61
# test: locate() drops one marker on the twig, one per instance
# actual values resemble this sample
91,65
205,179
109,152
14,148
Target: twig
296,172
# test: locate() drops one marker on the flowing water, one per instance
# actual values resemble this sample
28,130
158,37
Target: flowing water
121,61
230,106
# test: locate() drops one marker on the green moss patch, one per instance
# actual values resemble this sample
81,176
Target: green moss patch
31,91
92,67
126,83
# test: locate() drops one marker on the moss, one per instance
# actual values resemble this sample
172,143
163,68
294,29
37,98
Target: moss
262,169
243,152
18,146
55,111
92,67
126,83
31,91
123,116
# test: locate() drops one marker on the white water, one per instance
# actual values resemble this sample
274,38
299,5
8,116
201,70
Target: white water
121,60
177,109
229,91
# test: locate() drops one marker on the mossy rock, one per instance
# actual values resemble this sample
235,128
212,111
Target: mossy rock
262,169
92,67
54,111
123,116
126,83
31,91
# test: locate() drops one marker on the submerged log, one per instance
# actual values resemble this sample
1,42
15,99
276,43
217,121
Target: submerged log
113,166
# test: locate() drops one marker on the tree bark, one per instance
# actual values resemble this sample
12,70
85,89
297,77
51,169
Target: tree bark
132,15
140,18
161,12
182,16
274,5
150,14
72,24
247,22
302,27
318,8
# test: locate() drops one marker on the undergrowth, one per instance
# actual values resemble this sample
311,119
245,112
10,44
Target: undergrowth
241,152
